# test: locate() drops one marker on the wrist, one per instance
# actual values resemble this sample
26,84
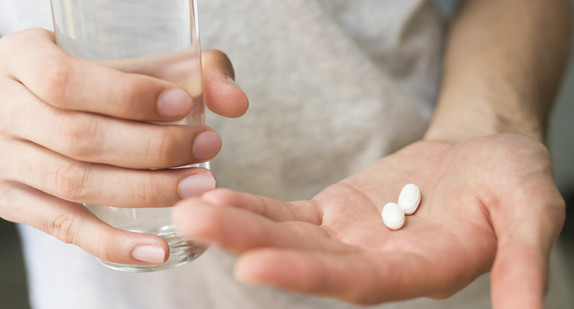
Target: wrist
454,132
458,122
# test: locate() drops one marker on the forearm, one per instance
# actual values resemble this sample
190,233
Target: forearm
503,64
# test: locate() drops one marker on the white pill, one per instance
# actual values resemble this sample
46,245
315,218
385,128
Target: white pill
410,198
393,216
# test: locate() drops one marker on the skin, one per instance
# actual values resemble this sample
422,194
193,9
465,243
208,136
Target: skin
57,130
489,201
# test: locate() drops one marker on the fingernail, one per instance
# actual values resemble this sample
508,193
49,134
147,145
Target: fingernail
196,185
206,145
149,254
231,82
174,103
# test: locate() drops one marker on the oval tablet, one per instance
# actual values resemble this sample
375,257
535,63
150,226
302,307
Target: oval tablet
393,216
410,198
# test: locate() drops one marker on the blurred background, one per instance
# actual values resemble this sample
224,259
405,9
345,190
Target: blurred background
13,290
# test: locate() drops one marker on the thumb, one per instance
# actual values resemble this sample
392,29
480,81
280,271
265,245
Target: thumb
526,232
222,95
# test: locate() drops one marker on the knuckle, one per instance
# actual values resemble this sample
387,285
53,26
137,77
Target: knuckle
70,180
165,148
78,136
132,95
64,227
154,189
147,193
106,252
130,91
58,74
132,87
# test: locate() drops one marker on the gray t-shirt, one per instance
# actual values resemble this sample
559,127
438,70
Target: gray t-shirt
334,85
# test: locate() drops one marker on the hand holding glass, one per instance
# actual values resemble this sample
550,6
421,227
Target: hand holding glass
152,37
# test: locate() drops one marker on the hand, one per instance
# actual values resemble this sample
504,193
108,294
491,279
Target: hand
488,204
74,131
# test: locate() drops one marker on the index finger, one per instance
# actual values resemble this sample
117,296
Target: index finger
76,84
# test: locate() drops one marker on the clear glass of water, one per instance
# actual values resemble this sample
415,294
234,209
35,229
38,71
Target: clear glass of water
158,38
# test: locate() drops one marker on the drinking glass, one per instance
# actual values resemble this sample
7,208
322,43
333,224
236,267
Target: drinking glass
158,38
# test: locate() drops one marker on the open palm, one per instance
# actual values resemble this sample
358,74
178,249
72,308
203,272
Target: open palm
487,204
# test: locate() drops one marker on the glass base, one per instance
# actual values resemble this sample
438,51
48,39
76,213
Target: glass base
181,251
